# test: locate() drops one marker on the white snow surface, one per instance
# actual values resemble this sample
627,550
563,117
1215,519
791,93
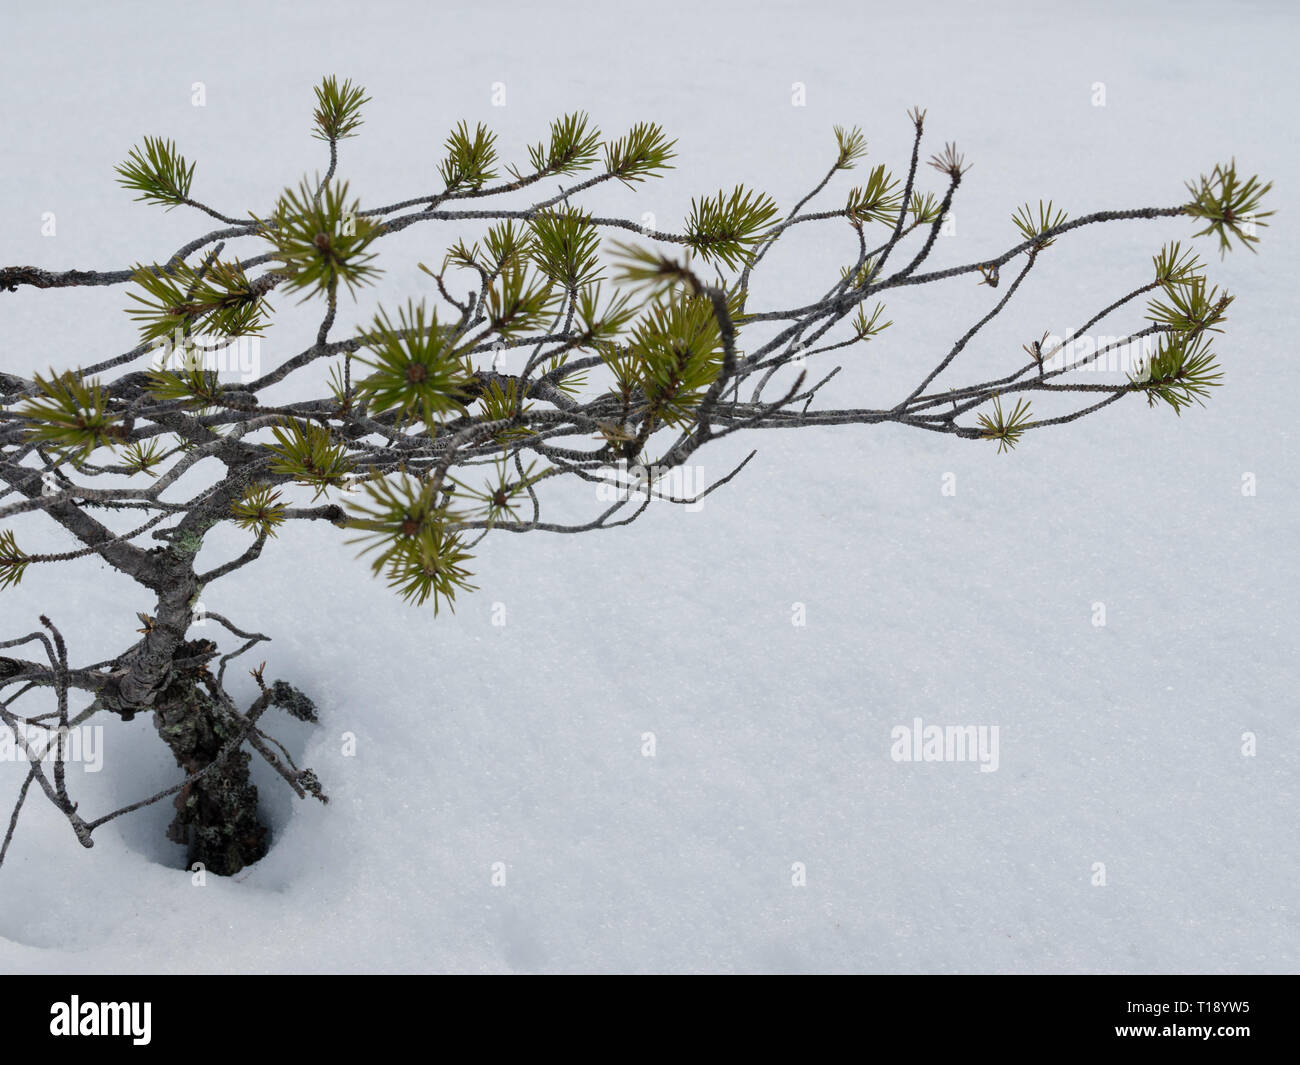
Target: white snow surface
522,744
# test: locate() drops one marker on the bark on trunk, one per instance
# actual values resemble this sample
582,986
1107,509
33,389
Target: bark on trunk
216,816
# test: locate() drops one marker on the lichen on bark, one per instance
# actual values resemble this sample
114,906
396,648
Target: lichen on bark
217,815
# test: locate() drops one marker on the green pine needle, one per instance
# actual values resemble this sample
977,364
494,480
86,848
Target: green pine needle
726,229
1180,373
877,200
605,324
1189,308
305,452
861,276
571,384
507,243
926,210
321,240
564,247
642,153
159,173
417,550
430,567
398,507
13,561
143,456
416,369
573,147
1006,429
500,498
1033,229
189,383
1229,205
650,268
260,510
852,146
1174,266
674,355
70,415
865,327
515,305
338,109
500,403
471,160
218,299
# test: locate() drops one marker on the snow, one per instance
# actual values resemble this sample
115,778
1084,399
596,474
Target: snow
522,744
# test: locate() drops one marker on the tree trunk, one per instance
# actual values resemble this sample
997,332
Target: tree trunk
217,815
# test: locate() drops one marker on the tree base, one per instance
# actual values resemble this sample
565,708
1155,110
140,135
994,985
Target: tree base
216,817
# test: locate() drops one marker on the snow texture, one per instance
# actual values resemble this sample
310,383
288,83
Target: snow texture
522,744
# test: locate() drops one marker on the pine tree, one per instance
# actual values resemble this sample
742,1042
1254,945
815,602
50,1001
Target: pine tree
626,345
